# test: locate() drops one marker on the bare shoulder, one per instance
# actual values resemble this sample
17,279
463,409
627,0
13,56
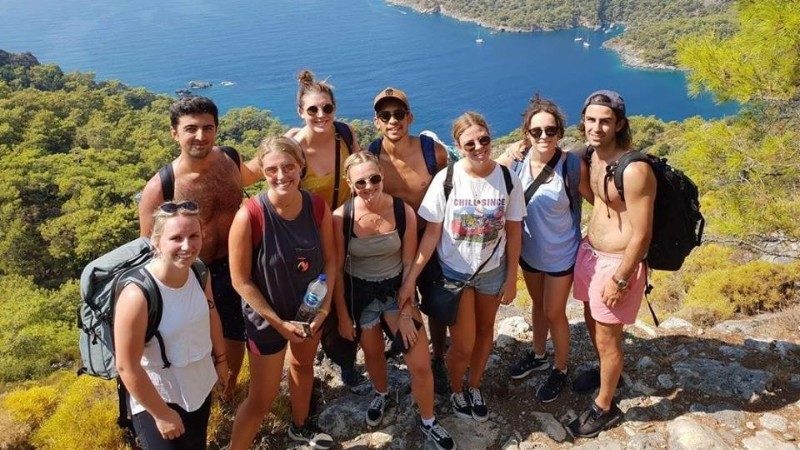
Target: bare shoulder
638,177
294,133
131,303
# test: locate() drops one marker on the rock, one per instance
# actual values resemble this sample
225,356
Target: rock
733,419
343,416
708,376
774,422
686,434
734,353
676,323
471,434
551,426
511,444
759,344
647,329
786,348
764,440
377,439
794,382
601,443
750,425
512,330
647,441
646,363
665,381
639,386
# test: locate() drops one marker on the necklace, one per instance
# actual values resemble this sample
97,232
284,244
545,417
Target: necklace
370,219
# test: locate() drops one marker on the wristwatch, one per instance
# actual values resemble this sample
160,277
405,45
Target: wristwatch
621,284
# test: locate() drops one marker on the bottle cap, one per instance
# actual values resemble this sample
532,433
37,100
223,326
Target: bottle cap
323,277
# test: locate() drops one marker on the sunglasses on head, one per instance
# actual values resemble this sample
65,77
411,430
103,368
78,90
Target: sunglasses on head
327,108
536,132
373,180
386,115
470,145
174,207
285,168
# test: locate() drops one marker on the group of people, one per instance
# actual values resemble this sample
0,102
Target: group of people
383,225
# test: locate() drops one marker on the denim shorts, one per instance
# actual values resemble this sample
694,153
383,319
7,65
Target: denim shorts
371,315
486,283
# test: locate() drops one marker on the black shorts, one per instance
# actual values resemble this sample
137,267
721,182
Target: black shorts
227,300
195,424
528,268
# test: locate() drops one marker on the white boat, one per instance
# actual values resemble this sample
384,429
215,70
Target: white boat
479,41
586,44
226,83
578,39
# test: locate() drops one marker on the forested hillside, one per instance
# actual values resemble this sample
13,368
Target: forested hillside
74,151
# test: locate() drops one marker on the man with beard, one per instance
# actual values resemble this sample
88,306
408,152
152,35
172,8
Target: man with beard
213,178
409,164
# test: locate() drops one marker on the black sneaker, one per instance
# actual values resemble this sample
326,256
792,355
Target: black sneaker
529,363
310,437
376,408
441,384
587,381
480,411
552,386
594,420
438,435
461,405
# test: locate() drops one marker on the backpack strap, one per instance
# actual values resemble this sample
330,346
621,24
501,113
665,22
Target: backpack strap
349,223
167,175
429,153
343,131
155,306
448,181
618,169
200,271
376,146
507,179
232,154
399,216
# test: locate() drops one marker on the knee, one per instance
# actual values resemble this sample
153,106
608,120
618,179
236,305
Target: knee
462,351
301,368
556,315
484,333
258,404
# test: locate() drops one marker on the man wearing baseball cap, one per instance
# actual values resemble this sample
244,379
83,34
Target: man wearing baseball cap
610,273
409,164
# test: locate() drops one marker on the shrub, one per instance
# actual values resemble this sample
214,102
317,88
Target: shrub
745,289
31,405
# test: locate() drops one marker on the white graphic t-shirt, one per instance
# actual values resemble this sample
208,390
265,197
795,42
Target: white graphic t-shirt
474,217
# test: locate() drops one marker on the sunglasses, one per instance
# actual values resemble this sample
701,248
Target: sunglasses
536,132
287,168
327,109
173,207
470,145
373,180
386,116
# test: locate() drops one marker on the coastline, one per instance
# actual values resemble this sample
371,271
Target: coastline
628,55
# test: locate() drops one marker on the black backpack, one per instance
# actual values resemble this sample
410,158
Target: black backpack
677,222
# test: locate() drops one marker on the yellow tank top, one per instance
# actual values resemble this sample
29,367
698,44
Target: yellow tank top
323,185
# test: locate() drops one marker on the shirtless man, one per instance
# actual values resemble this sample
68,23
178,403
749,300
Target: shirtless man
610,274
204,174
406,174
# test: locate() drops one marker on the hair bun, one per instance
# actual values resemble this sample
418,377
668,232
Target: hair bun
305,77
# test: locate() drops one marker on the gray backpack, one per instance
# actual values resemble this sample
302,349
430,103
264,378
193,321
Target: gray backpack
101,282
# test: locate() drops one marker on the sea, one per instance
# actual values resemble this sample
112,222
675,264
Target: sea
252,50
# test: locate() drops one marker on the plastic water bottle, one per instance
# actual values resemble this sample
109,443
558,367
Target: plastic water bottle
312,300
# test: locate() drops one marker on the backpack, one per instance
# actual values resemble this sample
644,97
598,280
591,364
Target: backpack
167,173
677,222
428,151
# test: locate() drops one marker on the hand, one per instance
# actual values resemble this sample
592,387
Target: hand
346,328
516,151
611,293
292,332
407,330
223,372
170,426
406,293
508,293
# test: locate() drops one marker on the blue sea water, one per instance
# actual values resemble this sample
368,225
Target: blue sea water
360,46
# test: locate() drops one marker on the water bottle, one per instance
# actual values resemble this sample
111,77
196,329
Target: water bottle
312,300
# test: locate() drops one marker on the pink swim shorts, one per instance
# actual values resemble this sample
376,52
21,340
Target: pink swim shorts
593,269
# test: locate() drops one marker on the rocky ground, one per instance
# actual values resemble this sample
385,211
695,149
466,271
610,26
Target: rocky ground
736,385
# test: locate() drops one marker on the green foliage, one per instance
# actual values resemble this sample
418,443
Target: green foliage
32,405
751,288
759,62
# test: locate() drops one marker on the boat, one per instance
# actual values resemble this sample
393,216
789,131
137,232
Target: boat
183,92
196,84
226,83
578,39
479,41
586,44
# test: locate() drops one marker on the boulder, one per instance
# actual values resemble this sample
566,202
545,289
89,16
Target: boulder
686,434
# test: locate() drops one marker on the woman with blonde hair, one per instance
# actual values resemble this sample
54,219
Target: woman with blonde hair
473,209
170,403
280,241
376,241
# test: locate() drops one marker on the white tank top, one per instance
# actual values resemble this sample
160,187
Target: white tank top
185,329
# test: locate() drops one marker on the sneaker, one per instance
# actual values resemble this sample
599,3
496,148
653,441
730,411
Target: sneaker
376,408
356,382
529,363
587,381
441,383
310,437
480,411
594,420
552,386
460,405
438,435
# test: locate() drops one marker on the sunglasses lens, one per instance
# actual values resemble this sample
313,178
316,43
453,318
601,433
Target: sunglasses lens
384,116
375,179
360,184
188,206
485,140
312,110
327,108
551,131
400,114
